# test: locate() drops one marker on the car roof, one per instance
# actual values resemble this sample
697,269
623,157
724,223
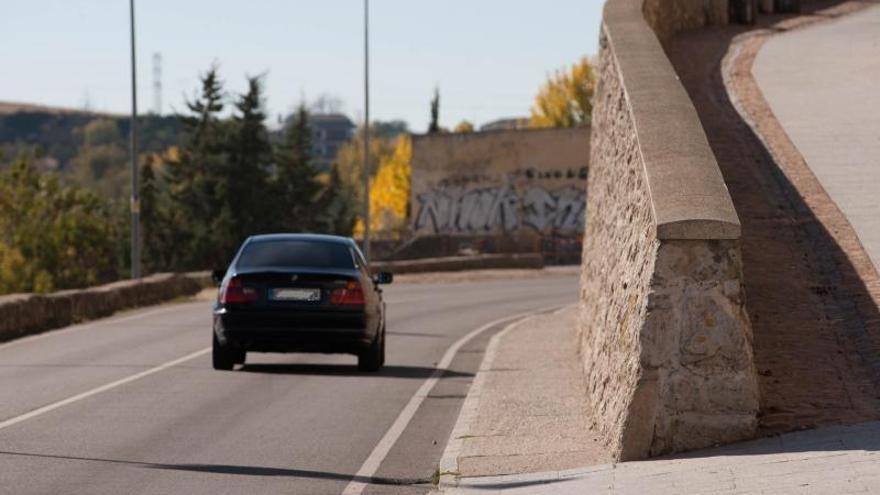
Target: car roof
334,239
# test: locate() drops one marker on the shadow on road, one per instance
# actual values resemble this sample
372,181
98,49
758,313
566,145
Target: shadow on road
232,469
347,370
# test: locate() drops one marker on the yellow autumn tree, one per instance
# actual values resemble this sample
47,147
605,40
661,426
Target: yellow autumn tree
389,193
464,126
566,99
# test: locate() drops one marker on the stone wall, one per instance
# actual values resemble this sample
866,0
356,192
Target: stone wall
667,17
25,314
666,340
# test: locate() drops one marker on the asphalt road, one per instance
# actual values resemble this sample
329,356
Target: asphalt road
822,84
131,404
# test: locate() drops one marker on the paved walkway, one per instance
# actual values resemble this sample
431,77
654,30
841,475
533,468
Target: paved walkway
832,461
823,84
522,432
526,410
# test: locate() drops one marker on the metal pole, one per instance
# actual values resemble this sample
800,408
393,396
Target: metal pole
135,202
367,129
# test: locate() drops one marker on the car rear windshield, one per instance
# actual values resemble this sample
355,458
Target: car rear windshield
312,254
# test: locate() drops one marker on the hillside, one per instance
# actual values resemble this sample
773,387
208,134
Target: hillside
56,133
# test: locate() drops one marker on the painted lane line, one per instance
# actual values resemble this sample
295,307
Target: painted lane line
98,390
94,324
357,485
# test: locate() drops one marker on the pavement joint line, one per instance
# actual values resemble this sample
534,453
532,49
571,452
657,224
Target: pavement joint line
449,461
371,465
87,325
98,390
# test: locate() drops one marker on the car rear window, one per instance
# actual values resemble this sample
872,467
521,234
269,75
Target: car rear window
312,254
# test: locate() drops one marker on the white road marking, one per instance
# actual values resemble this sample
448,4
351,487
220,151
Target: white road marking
86,326
371,465
103,388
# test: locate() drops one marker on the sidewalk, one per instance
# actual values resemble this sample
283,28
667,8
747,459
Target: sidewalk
831,461
526,410
522,431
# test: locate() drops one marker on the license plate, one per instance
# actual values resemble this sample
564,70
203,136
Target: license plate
302,295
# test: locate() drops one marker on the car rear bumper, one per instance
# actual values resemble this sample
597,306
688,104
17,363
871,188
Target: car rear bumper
281,334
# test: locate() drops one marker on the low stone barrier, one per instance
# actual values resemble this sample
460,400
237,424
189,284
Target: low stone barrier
461,263
666,340
25,314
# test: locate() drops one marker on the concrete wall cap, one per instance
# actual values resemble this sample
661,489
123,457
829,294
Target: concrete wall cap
689,198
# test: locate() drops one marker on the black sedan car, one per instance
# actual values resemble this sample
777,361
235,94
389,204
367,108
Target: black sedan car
299,293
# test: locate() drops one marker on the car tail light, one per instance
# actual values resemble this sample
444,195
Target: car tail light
235,293
351,295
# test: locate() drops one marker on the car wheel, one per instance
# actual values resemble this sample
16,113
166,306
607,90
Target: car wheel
373,357
222,356
240,356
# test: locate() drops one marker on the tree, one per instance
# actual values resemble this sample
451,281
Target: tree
152,217
296,185
389,193
434,126
100,162
464,126
245,181
53,236
194,180
350,161
565,100
326,103
336,206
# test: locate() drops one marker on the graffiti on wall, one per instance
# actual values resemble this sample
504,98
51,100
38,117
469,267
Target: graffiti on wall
469,206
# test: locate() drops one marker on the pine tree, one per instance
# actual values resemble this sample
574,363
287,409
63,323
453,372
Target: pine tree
195,215
434,126
248,203
296,182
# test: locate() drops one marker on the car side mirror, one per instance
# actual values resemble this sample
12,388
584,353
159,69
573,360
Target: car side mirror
384,278
217,275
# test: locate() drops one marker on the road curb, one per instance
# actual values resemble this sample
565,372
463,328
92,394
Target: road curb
448,467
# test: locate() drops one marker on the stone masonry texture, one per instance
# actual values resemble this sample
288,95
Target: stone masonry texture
668,17
619,252
666,339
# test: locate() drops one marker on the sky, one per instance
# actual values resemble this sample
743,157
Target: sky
487,57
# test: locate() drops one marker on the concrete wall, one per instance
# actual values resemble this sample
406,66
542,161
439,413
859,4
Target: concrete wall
516,182
666,339
25,314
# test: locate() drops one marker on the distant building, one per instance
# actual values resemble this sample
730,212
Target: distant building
506,124
329,132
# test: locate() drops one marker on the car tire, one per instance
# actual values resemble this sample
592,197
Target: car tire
240,356
373,357
222,357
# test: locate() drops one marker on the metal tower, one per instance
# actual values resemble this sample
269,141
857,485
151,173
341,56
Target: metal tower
157,83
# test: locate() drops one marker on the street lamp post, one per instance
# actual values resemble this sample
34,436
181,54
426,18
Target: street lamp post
135,202
367,129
